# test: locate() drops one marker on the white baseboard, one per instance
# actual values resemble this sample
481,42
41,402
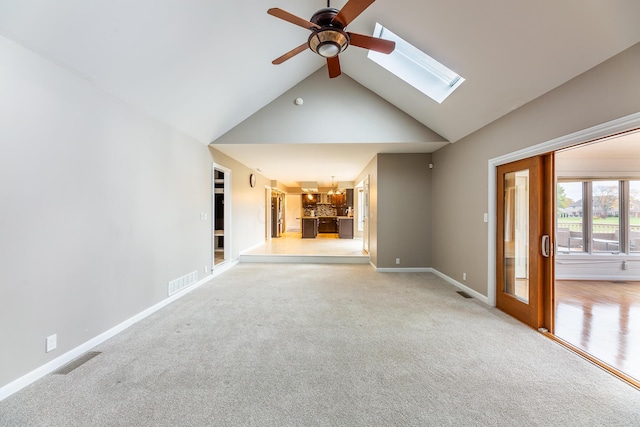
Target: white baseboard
405,270
51,366
446,278
304,259
62,360
465,288
603,277
250,248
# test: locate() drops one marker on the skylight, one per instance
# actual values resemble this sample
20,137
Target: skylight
416,67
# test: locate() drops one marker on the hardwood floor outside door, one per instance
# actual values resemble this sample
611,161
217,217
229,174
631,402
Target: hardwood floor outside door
524,267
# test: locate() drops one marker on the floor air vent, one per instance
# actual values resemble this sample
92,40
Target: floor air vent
182,282
77,362
464,294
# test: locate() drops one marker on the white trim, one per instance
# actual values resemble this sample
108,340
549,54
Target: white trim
603,130
303,259
56,363
249,249
267,214
443,276
601,277
459,285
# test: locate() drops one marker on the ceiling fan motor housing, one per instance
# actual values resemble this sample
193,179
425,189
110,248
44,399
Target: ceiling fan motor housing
330,39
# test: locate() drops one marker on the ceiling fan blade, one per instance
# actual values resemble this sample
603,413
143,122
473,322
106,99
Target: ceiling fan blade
290,54
371,43
351,10
283,14
334,66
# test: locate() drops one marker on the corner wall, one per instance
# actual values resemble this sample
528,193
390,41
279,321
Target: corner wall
399,210
460,182
404,211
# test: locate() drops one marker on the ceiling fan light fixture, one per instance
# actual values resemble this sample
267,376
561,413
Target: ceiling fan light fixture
328,42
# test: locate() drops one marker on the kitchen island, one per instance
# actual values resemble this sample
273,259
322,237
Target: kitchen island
345,227
309,227
341,225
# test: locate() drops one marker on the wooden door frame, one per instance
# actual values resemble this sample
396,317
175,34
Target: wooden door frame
535,312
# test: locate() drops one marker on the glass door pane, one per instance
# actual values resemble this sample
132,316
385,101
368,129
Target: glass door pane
516,235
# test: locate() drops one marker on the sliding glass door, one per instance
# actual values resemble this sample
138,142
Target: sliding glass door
524,241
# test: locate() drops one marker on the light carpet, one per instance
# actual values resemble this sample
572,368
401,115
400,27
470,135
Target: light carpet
319,345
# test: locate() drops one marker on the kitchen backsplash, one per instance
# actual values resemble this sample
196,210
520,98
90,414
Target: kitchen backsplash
321,210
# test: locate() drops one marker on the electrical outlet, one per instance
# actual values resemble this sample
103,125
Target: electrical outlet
397,260
464,276
206,269
52,342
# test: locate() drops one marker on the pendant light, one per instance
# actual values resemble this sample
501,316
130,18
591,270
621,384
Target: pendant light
334,189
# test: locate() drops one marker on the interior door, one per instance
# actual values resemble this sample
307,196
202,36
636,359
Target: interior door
524,269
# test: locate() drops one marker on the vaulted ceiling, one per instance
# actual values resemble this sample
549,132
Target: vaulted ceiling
204,66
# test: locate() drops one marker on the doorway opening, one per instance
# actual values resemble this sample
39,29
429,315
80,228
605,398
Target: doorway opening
278,208
221,215
597,281
362,213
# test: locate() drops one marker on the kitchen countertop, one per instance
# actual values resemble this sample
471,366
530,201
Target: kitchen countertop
333,216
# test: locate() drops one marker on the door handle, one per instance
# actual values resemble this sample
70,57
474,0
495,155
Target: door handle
545,245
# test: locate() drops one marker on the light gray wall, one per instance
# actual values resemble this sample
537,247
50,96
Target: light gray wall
341,112
100,209
460,182
404,210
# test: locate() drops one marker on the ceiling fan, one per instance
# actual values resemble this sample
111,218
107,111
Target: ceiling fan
328,36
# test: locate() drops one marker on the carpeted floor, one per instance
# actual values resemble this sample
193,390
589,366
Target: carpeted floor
318,345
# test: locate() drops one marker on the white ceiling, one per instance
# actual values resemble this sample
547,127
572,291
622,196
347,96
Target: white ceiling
204,66
612,158
626,146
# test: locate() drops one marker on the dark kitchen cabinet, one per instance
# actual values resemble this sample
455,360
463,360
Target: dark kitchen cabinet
309,228
309,201
345,228
338,200
349,197
327,225
343,200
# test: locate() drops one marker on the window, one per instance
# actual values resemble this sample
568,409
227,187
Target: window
633,204
605,222
416,67
598,216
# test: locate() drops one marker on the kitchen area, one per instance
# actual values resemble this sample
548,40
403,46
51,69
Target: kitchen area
327,213
311,224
